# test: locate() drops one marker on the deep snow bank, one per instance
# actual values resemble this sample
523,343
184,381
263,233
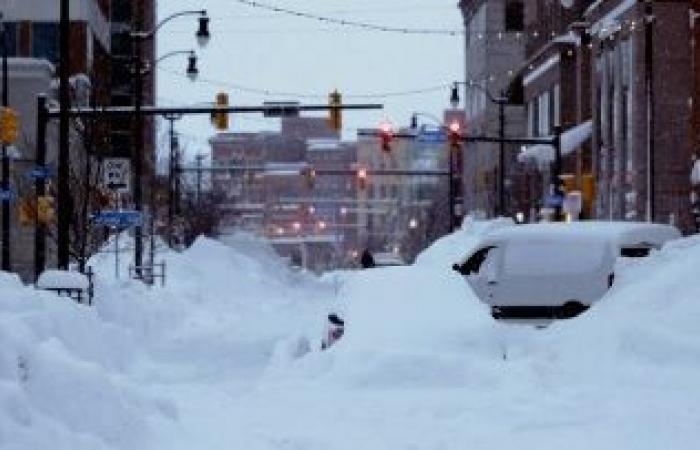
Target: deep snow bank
76,377
63,381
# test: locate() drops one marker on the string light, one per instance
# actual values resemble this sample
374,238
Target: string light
350,23
273,93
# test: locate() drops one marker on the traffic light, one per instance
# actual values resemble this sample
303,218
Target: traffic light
362,178
9,126
309,175
45,209
335,114
27,212
454,135
386,135
220,119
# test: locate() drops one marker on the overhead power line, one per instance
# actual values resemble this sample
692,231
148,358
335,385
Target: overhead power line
273,93
351,23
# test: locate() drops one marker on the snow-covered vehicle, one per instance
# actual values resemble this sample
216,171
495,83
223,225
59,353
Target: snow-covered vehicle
554,270
387,259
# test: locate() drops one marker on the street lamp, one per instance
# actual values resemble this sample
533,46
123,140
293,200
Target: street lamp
501,101
138,39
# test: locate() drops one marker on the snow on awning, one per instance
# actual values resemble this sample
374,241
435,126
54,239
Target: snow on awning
571,139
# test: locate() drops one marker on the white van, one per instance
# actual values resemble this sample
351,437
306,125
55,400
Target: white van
554,270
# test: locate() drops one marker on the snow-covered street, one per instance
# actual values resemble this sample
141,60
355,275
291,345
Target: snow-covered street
227,355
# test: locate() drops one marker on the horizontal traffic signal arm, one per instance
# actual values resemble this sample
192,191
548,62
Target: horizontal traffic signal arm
547,140
317,172
269,110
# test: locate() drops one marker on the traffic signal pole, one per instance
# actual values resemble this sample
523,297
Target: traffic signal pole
6,266
40,187
65,202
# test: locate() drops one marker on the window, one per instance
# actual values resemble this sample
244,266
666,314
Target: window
45,41
11,38
515,15
543,120
473,264
635,252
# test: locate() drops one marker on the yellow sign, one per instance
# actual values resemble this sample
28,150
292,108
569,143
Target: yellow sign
9,126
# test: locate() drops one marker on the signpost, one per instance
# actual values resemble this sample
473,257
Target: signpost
118,220
117,173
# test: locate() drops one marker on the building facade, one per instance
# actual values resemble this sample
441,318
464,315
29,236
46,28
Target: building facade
495,50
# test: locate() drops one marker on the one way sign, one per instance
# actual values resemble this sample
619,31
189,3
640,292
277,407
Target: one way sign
117,173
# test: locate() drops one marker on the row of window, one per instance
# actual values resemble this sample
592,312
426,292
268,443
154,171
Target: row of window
544,111
44,40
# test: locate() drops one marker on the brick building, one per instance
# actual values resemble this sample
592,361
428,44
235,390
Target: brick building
641,86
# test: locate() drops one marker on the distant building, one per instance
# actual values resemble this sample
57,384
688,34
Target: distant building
272,198
494,51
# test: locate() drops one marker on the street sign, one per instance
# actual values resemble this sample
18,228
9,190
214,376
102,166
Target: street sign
118,219
554,200
117,173
40,172
7,196
432,136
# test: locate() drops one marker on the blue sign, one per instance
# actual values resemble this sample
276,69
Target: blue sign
555,200
118,219
40,172
7,196
432,136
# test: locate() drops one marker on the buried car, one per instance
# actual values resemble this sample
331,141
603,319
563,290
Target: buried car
554,270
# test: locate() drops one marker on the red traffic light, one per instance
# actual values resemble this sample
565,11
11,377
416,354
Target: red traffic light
386,134
454,133
362,178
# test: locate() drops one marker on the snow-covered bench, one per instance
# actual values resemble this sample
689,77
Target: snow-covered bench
74,285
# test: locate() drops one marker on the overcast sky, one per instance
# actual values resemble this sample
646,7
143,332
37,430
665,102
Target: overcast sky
264,50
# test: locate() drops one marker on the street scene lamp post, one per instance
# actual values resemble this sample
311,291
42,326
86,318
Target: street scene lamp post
501,101
138,39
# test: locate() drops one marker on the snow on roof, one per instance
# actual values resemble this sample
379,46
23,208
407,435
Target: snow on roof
62,279
609,23
571,139
620,233
541,69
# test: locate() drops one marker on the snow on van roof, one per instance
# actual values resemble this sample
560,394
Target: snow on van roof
618,232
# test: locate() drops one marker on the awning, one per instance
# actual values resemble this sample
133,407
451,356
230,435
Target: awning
571,139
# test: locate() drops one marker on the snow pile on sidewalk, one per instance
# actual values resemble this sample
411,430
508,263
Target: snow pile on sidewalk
63,376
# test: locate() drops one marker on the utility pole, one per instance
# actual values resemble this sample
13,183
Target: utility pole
6,266
137,148
172,165
649,82
501,155
65,202
556,174
199,159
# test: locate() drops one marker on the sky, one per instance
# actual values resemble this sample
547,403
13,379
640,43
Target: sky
260,50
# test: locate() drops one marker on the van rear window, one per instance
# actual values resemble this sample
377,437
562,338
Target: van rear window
635,252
